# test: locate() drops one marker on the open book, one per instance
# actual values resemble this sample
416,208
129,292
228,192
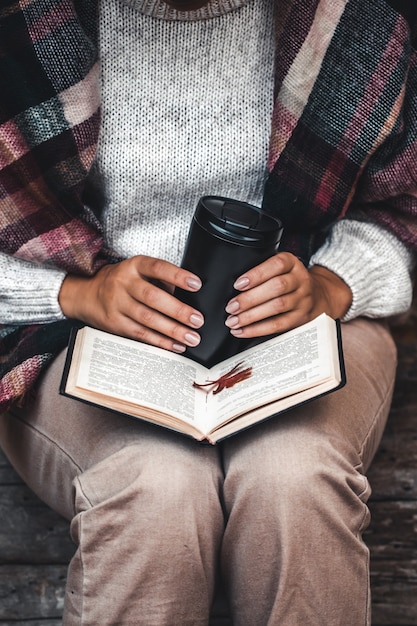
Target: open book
174,391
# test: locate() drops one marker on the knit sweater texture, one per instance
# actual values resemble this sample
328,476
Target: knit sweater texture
342,140
174,117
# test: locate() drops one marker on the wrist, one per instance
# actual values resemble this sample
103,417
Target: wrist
70,294
335,295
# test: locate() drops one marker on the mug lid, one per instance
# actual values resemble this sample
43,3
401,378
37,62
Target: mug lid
238,221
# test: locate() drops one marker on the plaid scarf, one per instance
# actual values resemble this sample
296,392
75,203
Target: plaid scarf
343,139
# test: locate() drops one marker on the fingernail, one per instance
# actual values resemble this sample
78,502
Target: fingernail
241,283
193,283
236,332
196,320
192,339
232,321
178,347
232,307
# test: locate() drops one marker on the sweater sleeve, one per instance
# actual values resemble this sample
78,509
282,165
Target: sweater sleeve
373,263
28,292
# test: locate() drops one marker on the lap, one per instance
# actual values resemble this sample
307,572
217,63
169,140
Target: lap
57,438
352,418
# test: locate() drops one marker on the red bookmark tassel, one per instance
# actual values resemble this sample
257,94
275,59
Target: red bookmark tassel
230,379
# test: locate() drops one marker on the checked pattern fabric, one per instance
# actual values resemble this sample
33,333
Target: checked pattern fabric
343,139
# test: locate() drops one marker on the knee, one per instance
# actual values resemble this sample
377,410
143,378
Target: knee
298,476
166,480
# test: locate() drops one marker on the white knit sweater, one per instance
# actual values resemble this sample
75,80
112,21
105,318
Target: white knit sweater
187,100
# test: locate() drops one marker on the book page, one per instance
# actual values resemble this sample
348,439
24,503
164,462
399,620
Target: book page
138,373
282,366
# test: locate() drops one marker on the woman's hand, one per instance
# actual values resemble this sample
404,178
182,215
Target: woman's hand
282,293
132,298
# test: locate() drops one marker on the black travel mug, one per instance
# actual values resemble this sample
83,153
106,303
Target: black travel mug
226,238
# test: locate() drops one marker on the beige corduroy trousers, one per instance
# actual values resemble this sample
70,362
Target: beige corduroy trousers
278,509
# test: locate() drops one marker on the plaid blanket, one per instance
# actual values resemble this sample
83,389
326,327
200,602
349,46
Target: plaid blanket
343,138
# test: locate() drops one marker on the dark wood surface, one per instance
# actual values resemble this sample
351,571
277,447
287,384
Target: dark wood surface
392,535
35,547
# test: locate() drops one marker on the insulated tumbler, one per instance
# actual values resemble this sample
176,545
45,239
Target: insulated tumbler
226,238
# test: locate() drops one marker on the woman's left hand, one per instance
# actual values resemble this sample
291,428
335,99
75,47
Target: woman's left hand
282,293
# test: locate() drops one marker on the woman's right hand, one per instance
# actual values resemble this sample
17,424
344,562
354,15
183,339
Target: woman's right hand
125,299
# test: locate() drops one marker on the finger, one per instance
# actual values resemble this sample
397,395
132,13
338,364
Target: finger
167,273
281,263
146,320
156,300
134,330
143,324
276,287
272,326
267,310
